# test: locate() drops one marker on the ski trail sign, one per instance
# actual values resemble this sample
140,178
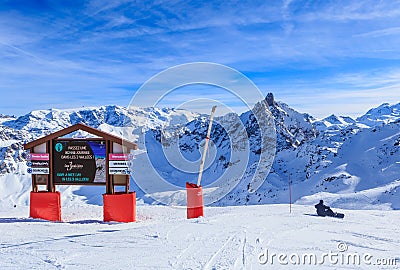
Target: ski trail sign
119,164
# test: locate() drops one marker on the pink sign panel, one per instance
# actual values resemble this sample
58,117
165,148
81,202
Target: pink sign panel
38,156
120,156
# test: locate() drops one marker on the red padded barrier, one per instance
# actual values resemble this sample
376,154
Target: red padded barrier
45,205
195,203
120,207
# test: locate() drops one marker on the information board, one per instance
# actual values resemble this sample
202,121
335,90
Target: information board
79,162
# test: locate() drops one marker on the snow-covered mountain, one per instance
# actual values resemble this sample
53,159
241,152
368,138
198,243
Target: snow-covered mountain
351,163
383,114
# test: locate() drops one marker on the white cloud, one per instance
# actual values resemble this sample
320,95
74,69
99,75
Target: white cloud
347,94
372,78
381,32
353,11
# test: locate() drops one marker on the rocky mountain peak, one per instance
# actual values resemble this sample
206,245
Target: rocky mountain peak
270,99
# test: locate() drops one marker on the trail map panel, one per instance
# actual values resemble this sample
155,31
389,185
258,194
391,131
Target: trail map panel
79,162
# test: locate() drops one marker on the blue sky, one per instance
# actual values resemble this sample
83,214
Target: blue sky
320,57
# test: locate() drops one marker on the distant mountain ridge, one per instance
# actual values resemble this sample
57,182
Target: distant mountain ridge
354,163
383,114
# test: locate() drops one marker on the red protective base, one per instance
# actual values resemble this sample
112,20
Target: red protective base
195,203
45,205
120,207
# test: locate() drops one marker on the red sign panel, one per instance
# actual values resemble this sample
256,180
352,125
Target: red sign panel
37,156
120,156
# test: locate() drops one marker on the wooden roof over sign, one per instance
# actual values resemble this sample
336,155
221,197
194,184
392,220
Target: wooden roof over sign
83,127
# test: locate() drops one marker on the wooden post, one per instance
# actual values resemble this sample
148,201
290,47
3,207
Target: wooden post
203,158
111,150
50,180
108,190
127,183
34,186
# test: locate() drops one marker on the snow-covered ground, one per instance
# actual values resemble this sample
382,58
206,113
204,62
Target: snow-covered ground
238,237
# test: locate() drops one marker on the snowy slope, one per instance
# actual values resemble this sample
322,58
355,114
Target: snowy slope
336,157
240,237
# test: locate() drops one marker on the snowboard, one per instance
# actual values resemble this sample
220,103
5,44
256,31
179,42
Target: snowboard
338,215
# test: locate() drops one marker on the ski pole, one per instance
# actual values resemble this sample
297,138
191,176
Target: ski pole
203,158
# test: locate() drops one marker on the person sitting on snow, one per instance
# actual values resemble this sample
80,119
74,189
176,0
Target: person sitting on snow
323,210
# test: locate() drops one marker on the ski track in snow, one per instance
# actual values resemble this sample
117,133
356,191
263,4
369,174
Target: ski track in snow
162,238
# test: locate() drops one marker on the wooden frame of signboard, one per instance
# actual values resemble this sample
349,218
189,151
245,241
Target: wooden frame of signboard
45,145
